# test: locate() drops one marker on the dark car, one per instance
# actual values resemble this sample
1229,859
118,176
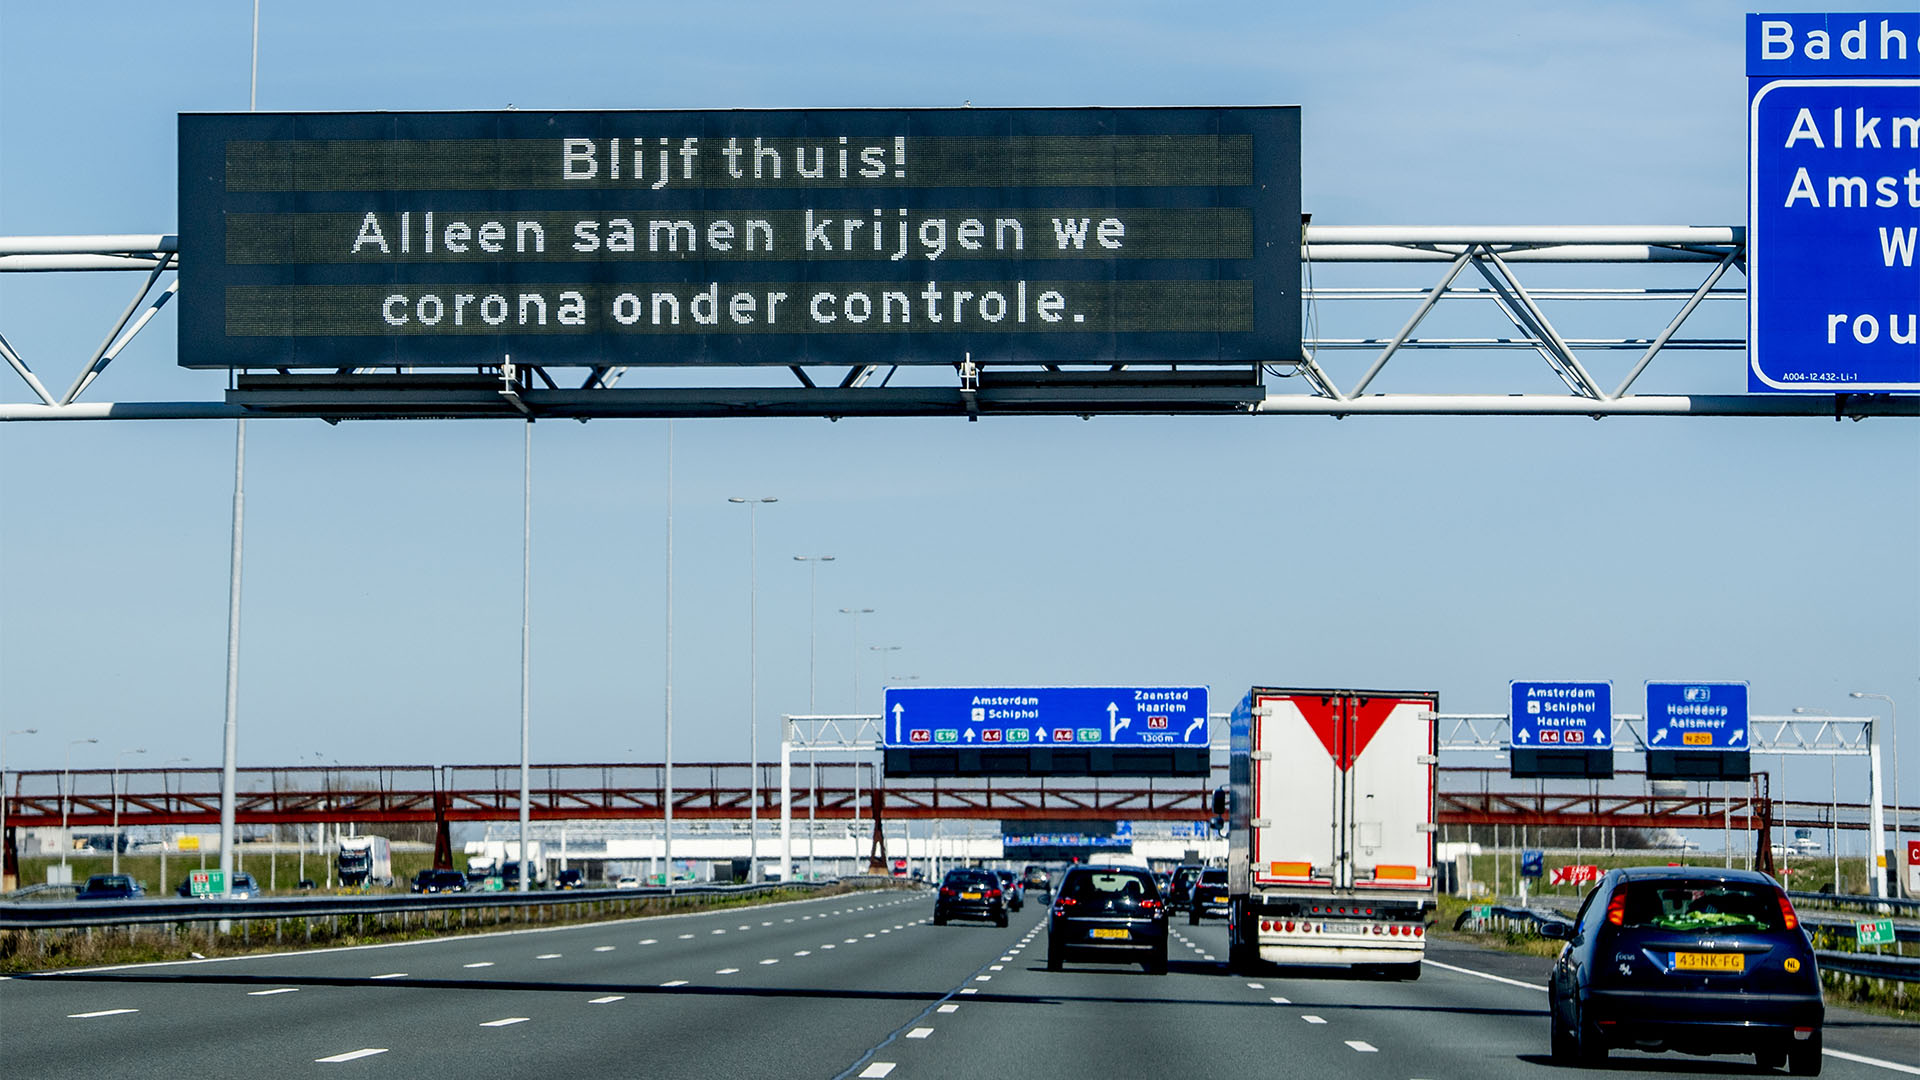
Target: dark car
970,894
570,879
1035,879
439,881
1684,958
1010,886
1180,892
111,887
1207,895
1108,914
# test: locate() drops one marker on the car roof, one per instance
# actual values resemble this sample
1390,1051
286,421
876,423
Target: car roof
1692,873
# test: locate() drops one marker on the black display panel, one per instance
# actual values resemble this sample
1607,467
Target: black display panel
1699,764
961,761
1584,763
816,236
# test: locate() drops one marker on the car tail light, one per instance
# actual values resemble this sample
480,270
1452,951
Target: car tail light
1787,914
1150,905
993,894
944,891
1617,908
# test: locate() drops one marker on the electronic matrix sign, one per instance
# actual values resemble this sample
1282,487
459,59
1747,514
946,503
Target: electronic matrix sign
810,236
1833,203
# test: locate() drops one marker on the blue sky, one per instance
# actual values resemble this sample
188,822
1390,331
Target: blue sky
382,560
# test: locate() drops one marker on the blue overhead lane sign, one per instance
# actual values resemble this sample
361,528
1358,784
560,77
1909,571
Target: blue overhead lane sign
1697,716
1833,239
1562,714
1128,716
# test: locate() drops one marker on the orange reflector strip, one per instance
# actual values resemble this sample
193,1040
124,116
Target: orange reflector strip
1292,869
1394,873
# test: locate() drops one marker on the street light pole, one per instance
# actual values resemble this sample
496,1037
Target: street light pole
116,804
753,682
1898,848
854,650
66,799
7,864
813,610
883,650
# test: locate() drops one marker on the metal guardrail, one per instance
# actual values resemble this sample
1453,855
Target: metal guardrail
1860,903
1870,965
97,913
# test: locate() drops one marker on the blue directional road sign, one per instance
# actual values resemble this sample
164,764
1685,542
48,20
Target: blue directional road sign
1562,714
1697,716
1533,863
1036,716
1833,238
1561,730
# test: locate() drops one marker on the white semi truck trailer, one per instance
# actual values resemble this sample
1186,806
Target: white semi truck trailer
1331,843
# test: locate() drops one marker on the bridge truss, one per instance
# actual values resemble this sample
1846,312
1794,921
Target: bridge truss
1499,305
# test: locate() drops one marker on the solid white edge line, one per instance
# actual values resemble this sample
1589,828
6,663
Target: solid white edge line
351,1055
1483,975
1862,1059
1859,1059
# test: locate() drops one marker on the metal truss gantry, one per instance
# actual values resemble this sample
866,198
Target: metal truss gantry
1671,273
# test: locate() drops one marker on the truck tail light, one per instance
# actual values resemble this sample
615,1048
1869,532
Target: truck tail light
1419,931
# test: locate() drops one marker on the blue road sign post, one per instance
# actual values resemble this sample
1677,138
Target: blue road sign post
1697,731
1833,234
1561,730
1046,731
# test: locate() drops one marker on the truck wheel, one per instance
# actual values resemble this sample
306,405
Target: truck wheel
1803,1057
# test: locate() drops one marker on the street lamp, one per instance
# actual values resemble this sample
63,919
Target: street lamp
883,650
1894,723
116,804
6,849
813,564
66,783
753,682
854,650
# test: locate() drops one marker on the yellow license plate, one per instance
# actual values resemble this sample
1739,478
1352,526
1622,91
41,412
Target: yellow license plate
1708,961
969,896
1112,933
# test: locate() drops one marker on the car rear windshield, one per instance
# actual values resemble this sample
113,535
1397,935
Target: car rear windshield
1213,877
1107,885
1701,905
958,878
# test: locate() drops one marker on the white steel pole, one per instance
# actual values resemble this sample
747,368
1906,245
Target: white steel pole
1899,846
66,800
666,800
753,683
116,804
526,648
786,808
1876,816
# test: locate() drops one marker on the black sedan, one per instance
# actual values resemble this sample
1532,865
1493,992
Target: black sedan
1014,890
1108,914
1208,894
1686,958
970,894
439,881
111,887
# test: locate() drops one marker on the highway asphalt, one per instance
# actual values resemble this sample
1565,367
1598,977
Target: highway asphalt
848,986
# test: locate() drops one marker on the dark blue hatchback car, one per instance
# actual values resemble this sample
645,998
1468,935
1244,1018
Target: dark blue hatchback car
1692,959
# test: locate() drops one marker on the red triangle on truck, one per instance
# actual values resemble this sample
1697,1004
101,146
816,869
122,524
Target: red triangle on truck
1324,715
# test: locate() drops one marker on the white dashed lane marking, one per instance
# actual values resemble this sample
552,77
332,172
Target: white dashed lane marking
270,993
1280,1001
948,1008
603,948
102,1012
769,960
390,975
506,1021
1256,986
608,1000
686,937
675,982
971,990
804,952
650,941
919,1033
877,1070
728,971
481,964
351,1055
1363,1047
1312,1019
548,956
